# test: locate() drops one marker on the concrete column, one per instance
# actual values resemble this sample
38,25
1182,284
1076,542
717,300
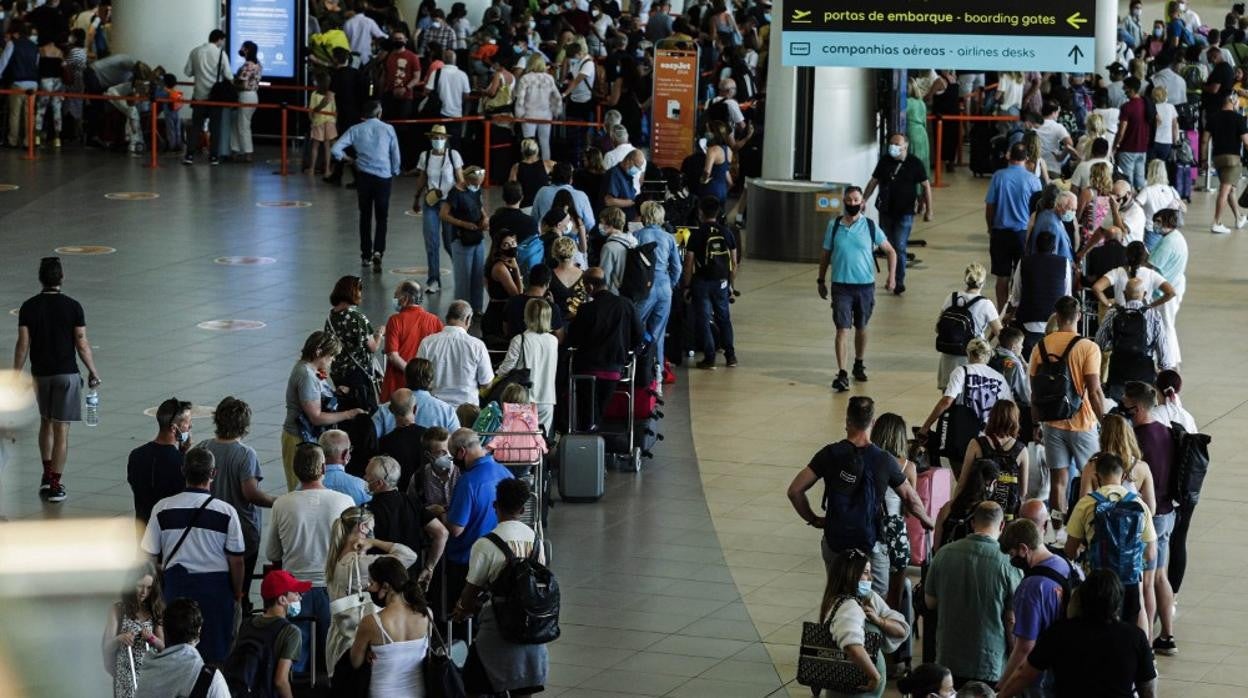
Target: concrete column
1106,21
781,101
160,32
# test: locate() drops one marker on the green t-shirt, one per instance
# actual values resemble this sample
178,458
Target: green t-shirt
974,585
289,642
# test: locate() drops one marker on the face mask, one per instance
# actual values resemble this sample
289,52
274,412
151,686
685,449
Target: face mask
397,305
1183,7
509,252
1136,12
633,171
1068,216
474,187
567,229
864,588
1018,562
596,13
184,436
1158,33
767,17
894,151
532,24
439,143
853,209
443,462
378,601
293,609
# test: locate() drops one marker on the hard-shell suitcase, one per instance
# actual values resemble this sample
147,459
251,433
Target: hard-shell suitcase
645,403
582,467
935,486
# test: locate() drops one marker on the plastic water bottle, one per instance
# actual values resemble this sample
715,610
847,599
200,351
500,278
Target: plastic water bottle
93,408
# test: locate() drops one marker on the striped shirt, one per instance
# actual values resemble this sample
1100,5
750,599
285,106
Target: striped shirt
216,532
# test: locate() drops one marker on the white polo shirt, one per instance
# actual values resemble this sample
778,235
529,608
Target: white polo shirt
461,365
216,532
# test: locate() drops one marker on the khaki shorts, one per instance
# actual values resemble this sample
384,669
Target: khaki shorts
1230,168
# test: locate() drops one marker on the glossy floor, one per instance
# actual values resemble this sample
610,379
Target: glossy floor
688,579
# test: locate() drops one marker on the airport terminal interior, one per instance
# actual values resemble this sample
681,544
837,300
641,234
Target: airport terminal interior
691,577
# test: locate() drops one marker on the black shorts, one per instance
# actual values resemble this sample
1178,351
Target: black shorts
1005,248
852,305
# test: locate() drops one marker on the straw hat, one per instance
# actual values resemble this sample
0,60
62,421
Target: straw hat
437,130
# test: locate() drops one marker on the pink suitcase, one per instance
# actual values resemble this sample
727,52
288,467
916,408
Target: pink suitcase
935,486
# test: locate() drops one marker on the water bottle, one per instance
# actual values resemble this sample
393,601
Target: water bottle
93,408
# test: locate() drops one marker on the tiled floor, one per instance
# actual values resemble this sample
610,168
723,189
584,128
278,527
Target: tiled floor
690,579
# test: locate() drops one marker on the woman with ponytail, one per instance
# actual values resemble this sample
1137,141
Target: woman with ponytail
1137,267
929,680
985,321
395,639
347,574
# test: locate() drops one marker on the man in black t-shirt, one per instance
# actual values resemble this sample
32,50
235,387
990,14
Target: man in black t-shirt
844,467
709,271
154,470
404,443
1228,132
399,517
899,178
51,332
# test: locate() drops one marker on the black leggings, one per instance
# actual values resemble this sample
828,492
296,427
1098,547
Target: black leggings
1178,545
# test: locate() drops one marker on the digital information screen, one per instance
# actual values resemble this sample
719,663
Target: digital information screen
958,35
271,24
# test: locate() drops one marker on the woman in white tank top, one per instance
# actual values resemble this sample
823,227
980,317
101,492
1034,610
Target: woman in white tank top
396,637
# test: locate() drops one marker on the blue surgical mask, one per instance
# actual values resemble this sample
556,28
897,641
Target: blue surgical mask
767,17
633,171
293,609
894,150
1068,216
474,187
184,436
1159,33
864,588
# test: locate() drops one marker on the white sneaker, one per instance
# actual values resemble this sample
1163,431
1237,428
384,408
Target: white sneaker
1243,220
1219,229
433,287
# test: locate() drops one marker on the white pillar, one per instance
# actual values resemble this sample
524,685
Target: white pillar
161,32
844,147
1107,31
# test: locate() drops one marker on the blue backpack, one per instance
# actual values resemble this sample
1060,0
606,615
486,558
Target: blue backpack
853,506
1118,537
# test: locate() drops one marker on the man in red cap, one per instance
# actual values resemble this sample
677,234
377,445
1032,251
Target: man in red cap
270,637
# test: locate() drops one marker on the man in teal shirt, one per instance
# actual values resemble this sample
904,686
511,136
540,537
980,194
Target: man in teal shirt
971,586
849,245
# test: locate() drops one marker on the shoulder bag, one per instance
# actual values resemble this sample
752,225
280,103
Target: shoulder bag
223,90
442,677
373,373
824,665
519,374
185,532
347,612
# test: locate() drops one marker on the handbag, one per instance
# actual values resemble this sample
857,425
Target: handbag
522,376
347,612
442,677
223,90
823,665
431,106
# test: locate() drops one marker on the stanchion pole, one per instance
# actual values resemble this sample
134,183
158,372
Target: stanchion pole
489,171
30,125
155,144
284,146
940,137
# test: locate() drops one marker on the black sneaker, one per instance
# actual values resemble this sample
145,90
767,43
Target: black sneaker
841,384
214,160
45,484
731,360
56,492
376,262
899,289
860,371
707,364
188,159
1165,646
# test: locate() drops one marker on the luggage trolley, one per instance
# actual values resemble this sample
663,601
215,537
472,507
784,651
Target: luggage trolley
621,445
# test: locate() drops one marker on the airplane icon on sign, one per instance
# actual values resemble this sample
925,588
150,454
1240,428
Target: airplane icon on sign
801,16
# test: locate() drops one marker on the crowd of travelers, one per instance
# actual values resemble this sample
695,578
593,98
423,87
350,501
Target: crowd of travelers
1046,498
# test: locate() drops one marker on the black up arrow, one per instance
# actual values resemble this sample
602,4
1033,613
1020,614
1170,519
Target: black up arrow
1075,53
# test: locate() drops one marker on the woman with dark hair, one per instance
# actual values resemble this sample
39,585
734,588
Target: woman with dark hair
353,372
502,282
716,178
577,230
238,478
1137,267
247,80
852,610
395,639
1093,652
954,520
929,680
134,628
589,178
1000,442
311,403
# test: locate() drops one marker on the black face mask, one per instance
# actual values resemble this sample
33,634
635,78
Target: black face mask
509,252
1019,562
853,209
377,600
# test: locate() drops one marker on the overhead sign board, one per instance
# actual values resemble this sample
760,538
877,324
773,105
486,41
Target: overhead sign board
675,98
1058,35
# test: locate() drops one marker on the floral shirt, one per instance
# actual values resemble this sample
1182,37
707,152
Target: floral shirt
352,329
249,77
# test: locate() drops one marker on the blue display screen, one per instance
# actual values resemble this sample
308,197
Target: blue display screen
271,25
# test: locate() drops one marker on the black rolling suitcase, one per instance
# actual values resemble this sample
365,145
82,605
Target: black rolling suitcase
983,163
927,632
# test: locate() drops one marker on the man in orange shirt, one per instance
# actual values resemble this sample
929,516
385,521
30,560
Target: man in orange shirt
1068,442
405,330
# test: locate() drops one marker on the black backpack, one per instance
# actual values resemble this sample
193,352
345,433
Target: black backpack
1069,582
1053,393
715,260
525,597
1007,492
957,528
1190,465
956,327
1130,332
249,668
638,276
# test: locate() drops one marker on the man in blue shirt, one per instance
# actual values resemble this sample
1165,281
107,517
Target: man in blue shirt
561,178
619,190
377,161
337,447
1054,221
472,513
849,245
1006,210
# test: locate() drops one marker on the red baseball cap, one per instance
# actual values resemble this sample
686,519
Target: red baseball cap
279,582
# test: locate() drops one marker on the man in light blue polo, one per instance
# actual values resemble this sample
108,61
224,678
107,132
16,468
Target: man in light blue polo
377,162
1006,210
849,245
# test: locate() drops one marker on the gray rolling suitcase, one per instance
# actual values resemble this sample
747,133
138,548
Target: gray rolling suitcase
582,467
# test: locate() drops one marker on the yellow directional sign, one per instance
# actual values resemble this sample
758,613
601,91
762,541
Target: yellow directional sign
1076,20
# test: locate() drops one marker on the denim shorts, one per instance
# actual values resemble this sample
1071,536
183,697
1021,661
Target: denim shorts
852,305
1164,524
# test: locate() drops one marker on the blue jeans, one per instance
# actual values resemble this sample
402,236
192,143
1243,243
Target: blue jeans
897,230
710,300
654,312
1132,165
468,263
432,228
314,604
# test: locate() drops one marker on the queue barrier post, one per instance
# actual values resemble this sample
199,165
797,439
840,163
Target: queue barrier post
485,125
155,142
285,112
940,141
30,125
